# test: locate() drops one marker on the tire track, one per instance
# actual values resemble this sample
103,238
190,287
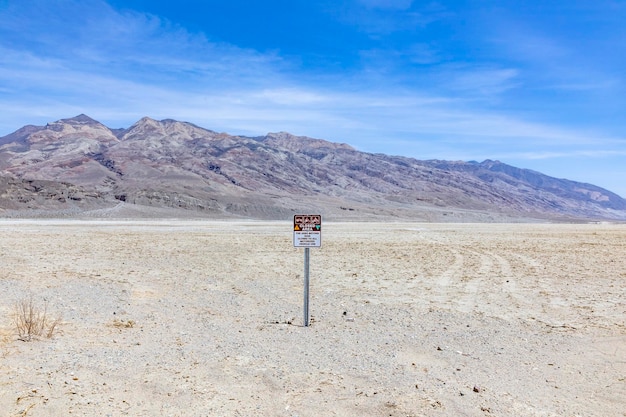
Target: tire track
485,281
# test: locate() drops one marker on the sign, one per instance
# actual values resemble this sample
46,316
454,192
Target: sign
307,233
307,230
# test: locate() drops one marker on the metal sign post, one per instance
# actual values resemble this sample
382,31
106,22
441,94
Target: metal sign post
307,233
306,287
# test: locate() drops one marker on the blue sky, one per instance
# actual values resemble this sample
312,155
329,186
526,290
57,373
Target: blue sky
538,85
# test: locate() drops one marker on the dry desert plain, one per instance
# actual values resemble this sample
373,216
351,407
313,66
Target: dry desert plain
204,318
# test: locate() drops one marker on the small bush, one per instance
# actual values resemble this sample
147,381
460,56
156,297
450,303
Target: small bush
31,320
123,324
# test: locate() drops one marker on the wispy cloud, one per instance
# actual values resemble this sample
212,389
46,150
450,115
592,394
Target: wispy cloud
590,153
381,18
481,81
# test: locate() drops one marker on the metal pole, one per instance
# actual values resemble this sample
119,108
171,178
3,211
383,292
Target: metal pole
306,287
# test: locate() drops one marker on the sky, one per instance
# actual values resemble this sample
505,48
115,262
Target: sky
535,84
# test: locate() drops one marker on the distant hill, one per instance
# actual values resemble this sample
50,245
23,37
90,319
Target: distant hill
79,167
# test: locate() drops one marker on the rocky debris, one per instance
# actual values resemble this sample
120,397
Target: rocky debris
21,194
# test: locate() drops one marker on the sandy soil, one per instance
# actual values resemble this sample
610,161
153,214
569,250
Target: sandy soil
184,318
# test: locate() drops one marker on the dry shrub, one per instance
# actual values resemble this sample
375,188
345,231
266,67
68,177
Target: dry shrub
32,321
123,324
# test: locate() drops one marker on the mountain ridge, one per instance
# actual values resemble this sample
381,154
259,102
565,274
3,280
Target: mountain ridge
176,165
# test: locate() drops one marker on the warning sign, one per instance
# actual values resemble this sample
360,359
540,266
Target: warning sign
307,230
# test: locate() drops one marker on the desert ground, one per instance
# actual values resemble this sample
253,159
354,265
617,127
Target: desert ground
204,318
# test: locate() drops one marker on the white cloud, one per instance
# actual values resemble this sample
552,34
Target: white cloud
290,96
483,81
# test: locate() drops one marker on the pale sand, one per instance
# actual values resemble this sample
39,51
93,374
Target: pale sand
407,320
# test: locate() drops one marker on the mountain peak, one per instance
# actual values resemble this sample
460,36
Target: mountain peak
80,123
296,143
80,119
166,128
147,120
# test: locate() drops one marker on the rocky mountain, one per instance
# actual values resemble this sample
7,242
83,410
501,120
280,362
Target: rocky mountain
171,168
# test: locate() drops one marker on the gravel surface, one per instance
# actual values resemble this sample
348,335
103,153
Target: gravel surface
201,318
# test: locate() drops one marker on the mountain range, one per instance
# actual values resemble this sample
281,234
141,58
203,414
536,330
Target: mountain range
80,167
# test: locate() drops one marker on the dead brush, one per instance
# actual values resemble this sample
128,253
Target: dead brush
122,324
33,321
